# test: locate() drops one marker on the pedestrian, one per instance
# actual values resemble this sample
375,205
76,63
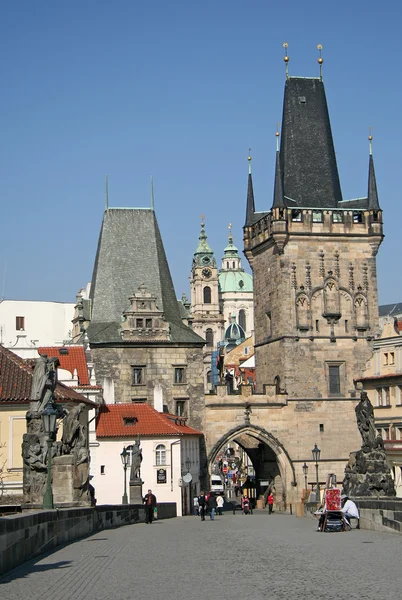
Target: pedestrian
211,503
196,506
245,504
270,503
350,510
150,504
219,504
201,505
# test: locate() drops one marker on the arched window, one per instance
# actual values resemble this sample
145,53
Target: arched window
209,336
233,264
242,319
209,377
207,295
227,265
160,454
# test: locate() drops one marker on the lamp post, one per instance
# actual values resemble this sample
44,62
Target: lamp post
188,465
125,459
305,471
49,419
316,452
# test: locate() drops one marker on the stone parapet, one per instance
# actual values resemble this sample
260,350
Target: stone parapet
30,534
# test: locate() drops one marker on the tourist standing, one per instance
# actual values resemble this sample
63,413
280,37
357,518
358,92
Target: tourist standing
270,503
201,505
211,503
196,506
150,503
219,504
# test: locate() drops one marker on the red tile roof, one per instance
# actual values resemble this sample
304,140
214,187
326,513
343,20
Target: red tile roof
16,381
74,360
385,376
149,422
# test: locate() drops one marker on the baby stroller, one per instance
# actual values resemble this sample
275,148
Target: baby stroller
245,506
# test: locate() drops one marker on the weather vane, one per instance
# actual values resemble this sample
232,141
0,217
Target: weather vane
277,136
320,59
249,160
286,58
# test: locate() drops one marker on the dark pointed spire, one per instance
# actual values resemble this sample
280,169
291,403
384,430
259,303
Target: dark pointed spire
372,187
279,201
250,210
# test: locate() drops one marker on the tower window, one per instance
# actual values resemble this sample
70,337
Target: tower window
209,336
334,379
139,323
148,323
321,427
242,319
346,326
317,325
227,264
181,408
20,323
207,295
179,375
337,217
296,216
209,377
357,217
233,264
138,376
317,216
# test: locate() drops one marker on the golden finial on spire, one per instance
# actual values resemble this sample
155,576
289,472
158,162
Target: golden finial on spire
249,161
202,220
320,59
286,58
277,136
370,138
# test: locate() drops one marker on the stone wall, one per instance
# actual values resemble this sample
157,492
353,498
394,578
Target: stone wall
380,514
24,536
159,363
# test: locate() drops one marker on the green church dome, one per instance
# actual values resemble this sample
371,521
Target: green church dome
235,281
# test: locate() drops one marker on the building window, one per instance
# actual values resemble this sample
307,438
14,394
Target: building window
139,400
160,455
242,319
209,336
321,427
102,469
139,323
130,420
317,325
346,326
385,359
399,395
317,216
227,264
20,323
357,217
392,358
334,379
138,375
179,375
296,216
383,396
209,377
207,295
181,408
337,217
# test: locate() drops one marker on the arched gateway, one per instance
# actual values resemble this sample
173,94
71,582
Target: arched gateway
270,459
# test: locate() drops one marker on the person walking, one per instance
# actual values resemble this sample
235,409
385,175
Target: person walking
196,506
211,503
219,504
150,503
270,503
202,505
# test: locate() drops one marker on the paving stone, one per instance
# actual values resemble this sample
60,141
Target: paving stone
235,556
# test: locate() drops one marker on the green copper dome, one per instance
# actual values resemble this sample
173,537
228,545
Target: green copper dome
235,281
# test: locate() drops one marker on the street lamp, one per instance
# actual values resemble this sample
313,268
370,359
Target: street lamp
125,459
188,464
49,420
316,457
305,471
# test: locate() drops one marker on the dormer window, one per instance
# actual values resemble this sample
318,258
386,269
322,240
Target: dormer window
130,420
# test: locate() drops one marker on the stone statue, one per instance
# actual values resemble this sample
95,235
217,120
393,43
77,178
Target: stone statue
74,437
136,460
365,422
44,381
367,472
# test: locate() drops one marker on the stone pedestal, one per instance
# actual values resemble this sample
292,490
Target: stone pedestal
70,482
136,490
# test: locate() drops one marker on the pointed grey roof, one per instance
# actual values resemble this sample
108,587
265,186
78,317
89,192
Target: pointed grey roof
250,209
373,203
130,253
279,201
307,155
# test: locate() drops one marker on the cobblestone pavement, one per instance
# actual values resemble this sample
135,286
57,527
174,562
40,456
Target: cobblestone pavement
234,557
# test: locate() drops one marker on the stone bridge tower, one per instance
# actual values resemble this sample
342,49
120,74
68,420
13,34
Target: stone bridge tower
313,257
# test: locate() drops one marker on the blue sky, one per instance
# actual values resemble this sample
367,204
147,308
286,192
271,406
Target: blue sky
178,90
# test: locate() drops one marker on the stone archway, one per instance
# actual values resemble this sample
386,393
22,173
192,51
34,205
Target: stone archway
258,442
